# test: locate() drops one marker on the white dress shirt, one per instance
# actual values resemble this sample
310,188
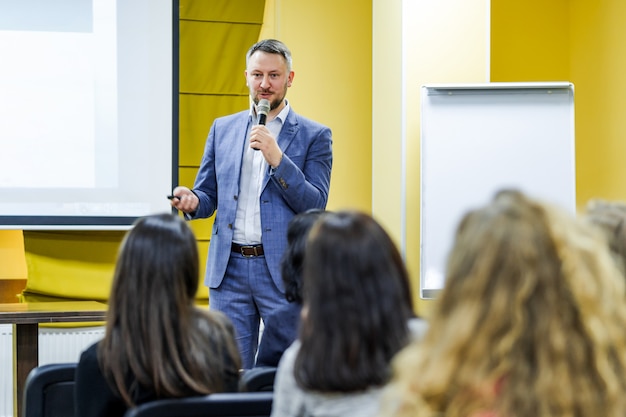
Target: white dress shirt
247,227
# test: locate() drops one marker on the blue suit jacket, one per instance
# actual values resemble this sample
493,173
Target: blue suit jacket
300,182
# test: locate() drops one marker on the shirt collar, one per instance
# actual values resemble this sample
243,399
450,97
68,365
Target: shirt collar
282,116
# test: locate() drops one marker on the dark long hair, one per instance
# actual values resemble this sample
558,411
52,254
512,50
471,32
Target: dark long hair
155,336
293,258
357,304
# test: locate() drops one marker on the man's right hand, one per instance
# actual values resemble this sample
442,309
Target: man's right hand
185,200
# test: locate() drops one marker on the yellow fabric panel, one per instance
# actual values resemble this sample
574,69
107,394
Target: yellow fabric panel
28,297
197,113
202,230
80,268
203,250
71,264
200,227
35,297
212,56
249,11
187,176
69,278
213,44
12,260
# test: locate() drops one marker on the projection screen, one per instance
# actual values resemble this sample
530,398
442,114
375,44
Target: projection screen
88,112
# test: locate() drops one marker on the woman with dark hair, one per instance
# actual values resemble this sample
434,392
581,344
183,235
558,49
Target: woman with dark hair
357,306
530,322
281,327
157,344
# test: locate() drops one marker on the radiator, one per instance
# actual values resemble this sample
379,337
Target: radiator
56,345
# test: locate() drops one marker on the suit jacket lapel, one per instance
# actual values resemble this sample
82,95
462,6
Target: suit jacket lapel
288,132
238,141
286,136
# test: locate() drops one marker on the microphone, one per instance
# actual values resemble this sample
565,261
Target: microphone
262,109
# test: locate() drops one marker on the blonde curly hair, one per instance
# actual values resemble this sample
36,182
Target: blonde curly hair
531,322
610,218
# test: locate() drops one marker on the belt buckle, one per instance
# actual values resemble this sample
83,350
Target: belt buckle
245,247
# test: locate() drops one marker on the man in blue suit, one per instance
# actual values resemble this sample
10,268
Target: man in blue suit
256,177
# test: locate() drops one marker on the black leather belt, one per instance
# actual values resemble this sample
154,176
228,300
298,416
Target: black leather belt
247,250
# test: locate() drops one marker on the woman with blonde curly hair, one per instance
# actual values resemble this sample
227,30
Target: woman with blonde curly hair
531,322
610,217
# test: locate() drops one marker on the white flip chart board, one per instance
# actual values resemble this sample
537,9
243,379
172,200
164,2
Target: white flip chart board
479,138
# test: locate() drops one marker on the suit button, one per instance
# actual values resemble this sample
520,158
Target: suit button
230,225
235,197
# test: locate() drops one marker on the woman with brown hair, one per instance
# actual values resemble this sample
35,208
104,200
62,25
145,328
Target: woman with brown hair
281,327
531,322
356,315
157,344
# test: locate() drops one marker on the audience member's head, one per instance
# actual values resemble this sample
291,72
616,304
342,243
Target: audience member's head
530,322
357,303
155,335
610,217
281,327
293,258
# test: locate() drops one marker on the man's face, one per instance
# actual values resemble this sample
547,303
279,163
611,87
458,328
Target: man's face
267,78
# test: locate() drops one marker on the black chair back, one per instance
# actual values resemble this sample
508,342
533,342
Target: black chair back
232,404
49,391
258,379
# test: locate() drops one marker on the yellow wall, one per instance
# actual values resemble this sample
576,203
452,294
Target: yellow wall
582,42
598,65
450,50
530,40
423,49
352,81
387,109
333,78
